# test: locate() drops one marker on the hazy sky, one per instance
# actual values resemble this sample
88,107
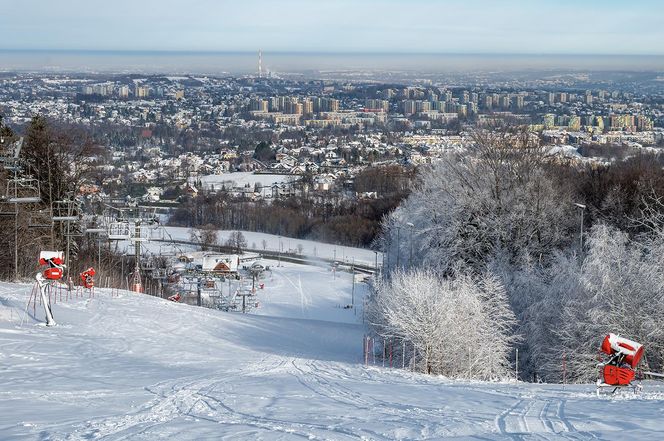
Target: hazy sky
444,26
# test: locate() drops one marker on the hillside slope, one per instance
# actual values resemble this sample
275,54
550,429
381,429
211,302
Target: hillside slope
137,367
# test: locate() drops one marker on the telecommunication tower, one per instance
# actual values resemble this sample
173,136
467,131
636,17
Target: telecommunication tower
260,63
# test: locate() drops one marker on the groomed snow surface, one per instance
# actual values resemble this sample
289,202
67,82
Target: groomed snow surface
140,368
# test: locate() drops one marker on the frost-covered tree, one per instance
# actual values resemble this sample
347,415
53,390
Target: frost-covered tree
496,197
459,326
622,292
546,292
503,206
498,206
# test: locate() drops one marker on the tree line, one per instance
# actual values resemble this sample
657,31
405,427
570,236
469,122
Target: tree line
328,217
58,161
565,250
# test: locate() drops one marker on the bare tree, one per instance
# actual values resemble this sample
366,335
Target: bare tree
205,236
237,241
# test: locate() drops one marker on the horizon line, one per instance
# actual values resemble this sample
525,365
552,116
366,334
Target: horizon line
325,52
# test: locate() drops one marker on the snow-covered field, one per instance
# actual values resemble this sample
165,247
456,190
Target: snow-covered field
137,367
242,179
287,244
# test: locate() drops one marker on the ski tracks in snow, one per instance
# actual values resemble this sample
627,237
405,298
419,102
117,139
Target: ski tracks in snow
371,416
538,418
207,400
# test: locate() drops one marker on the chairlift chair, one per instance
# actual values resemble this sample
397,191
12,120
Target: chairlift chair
39,219
10,152
74,233
65,211
156,232
119,231
148,265
22,190
159,273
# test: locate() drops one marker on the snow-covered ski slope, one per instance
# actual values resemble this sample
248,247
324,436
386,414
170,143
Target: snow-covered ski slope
273,242
135,367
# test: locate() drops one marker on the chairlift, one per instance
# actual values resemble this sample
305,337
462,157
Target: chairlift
166,250
92,228
22,190
11,152
39,219
119,231
74,233
66,211
156,233
159,273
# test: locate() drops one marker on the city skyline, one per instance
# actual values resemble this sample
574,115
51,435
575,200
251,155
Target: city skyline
372,26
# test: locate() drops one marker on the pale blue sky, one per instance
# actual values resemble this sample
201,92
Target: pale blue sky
441,26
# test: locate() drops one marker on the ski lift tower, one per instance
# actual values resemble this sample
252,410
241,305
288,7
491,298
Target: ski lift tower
93,226
68,212
21,189
137,283
120,228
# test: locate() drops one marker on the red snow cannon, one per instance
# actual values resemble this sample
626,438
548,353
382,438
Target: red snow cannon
55,262
623,358
87,278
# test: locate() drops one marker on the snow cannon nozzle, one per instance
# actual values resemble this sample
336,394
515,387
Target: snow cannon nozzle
55,262
623,356
630,350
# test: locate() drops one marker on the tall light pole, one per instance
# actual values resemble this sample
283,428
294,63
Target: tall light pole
583,208
334,264
279,252
352,292
410,257
398,244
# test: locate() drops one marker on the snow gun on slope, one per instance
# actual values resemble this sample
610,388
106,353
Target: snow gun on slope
619,368
87,278
54,262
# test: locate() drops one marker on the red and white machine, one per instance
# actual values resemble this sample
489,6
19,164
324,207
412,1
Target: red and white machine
619,369
54,262
87,278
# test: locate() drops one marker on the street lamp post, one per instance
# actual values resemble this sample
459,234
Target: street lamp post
398,244
582,207
334,264
279,252
352,292
410,257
